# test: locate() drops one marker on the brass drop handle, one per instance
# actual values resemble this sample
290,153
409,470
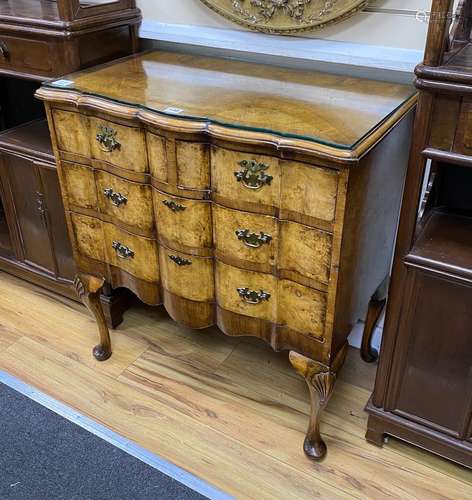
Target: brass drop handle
175,207
180,261
122,251
252,174
106,138
253,240
252,296
116,199
3,50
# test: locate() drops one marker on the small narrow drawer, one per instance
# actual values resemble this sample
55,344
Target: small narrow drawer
25,55
79,185
136,255
122,146
245,237
182,223
126,202
187,276
245,181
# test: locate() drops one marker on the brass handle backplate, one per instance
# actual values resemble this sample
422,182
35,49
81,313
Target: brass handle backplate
117,199
180,261
122,251
253,240
3,50
175,207
106,138
252,174
253,297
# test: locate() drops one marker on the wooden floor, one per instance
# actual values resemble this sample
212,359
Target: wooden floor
228,410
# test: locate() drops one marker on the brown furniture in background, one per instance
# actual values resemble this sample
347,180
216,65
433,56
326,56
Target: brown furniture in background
423,391
235,194
41,39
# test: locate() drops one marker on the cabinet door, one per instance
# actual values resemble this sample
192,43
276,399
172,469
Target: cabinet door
432,373
59,238
6,247
31,213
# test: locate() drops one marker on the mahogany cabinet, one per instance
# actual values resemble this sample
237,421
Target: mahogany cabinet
423,390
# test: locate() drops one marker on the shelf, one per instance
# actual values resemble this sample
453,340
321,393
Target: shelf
31,139
444,244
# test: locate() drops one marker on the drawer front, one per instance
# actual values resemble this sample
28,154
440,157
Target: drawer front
245,180
158,157
25,55
71,132
246,292
134,254
124,147
80,185
302,309
262,296
305,251
182,223
308,193
127,202
187,276
88,236
193,165
245,236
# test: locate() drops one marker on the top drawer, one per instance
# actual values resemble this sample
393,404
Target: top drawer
90,137
265,184
24,55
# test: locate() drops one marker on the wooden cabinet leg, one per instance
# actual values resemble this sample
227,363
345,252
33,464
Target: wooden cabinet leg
320,380
88,289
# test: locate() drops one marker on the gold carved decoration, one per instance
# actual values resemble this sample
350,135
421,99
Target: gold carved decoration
285,16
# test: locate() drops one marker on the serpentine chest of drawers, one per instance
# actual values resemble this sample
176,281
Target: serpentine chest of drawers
259,199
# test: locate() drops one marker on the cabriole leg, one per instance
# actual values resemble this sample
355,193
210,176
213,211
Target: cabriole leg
88,289
320,380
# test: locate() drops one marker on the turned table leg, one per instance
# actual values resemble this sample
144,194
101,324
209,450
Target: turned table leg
320,380
88,289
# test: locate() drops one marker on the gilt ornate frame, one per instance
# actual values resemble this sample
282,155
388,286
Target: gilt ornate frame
285,16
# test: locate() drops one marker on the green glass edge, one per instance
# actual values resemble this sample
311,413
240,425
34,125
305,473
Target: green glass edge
317,140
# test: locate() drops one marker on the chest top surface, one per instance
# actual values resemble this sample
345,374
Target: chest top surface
337,111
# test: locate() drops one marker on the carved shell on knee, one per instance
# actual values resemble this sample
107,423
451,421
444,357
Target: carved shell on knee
79,287
323,384
285,16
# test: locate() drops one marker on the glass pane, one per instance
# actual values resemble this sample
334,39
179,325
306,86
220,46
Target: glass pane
335,110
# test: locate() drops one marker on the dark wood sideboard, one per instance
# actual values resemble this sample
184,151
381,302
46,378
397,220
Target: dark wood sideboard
42,39
423,391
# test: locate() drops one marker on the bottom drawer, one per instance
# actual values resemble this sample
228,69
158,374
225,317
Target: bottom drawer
106,243
187,276
263,296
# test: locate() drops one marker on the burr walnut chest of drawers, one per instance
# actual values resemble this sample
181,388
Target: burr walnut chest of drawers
258,199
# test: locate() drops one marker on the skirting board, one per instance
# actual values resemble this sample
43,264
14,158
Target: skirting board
354,59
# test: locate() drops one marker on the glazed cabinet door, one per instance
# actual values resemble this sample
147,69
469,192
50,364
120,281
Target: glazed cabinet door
432,375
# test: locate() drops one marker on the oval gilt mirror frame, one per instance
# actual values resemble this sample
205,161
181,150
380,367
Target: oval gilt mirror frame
285,16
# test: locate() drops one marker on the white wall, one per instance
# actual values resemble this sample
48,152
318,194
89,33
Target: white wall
390,23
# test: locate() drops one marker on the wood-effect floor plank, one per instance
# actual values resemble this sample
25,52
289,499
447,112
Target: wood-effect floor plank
228,409
227,463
